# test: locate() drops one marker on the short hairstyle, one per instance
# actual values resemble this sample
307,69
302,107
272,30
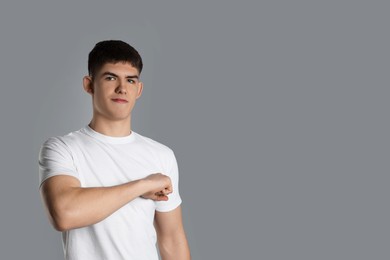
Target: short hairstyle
113,51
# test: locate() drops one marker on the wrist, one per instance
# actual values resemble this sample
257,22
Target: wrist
145,185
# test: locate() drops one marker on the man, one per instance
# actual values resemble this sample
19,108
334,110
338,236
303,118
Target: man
113,193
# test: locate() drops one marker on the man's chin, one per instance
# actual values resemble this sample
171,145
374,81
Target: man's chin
118,117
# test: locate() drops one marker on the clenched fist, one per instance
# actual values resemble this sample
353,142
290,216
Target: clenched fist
159,186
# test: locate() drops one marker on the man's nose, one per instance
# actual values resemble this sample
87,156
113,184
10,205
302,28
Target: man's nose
121,88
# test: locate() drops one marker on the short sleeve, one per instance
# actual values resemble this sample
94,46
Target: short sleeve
55,158
174,198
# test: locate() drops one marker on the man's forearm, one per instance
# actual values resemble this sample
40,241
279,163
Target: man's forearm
174,248
71,206
76,207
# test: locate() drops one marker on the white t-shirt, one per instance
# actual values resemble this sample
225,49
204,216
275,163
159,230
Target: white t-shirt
98,160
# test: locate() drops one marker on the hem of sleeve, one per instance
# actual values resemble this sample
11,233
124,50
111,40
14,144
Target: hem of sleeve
169,207
57,174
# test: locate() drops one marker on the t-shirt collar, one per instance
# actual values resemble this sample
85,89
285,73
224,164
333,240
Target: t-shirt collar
109,139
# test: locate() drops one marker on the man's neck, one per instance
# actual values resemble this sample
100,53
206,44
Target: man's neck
111,128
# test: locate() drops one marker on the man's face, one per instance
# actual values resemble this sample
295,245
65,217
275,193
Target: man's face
114,89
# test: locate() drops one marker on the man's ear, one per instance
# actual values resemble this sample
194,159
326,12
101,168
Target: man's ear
88,84
140,88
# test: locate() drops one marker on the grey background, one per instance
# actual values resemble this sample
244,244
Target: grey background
277,112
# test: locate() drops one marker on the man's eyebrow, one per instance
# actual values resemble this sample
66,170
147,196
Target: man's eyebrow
108,73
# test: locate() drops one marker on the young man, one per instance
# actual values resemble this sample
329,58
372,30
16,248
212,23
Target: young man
113,193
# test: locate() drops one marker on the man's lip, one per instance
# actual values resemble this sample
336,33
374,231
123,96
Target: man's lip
119,100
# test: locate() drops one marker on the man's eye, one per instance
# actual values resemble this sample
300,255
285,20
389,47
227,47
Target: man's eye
110,78
131,81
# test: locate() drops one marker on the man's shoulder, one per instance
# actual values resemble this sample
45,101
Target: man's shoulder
153,144
65,140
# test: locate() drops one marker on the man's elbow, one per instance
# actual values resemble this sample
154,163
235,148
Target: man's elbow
61,220
60,226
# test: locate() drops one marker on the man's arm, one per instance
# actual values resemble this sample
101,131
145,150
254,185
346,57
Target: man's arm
70,206
171,237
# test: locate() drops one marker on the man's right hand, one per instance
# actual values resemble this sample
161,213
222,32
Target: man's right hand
160,187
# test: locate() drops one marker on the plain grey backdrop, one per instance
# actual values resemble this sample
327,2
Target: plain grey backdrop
277,112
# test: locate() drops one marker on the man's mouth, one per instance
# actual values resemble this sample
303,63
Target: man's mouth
119,100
